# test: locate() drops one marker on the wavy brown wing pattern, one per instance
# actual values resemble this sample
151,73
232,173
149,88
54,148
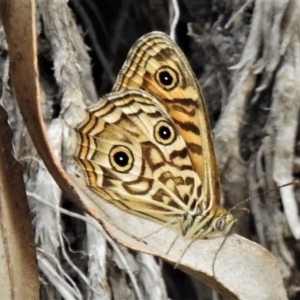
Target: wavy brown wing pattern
133,156
156,64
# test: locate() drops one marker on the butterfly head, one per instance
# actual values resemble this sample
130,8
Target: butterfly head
222,225
216,223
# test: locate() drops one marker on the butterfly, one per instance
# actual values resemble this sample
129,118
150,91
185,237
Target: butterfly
147,146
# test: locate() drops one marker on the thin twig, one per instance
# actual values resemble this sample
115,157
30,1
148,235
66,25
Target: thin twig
102,231
57,280
98,51
241,10
175,20
65,255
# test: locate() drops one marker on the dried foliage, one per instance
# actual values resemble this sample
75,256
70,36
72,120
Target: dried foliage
246,57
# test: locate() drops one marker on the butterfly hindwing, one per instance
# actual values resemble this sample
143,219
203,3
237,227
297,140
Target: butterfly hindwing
132,154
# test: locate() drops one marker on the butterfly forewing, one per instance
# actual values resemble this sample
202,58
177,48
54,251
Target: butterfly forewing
156,64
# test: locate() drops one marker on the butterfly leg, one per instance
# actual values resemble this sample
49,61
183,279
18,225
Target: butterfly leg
162,227
182,254
172,244
216,255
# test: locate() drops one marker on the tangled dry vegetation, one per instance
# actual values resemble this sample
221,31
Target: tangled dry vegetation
247,59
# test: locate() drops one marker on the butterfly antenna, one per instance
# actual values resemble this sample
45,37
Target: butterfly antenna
263,193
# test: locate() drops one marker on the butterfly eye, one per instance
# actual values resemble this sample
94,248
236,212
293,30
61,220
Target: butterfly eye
121,159
219,224
167,78
164,133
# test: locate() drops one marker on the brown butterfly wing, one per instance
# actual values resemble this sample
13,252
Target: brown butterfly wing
156,64
124,158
